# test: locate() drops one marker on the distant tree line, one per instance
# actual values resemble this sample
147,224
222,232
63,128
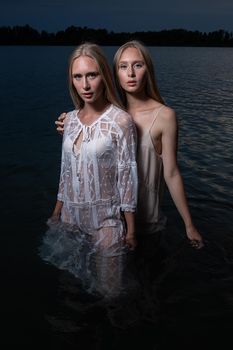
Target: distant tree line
26,35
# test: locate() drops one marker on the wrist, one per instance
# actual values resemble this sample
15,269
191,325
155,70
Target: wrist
188,224
55,214
131,234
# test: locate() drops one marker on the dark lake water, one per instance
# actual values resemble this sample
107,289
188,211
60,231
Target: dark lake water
194,288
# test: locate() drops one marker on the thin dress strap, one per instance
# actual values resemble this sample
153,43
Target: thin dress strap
156,114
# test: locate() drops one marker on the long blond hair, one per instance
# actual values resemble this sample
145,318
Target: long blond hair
95,52
151,86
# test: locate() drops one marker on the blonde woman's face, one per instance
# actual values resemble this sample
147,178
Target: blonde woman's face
131,70
87,79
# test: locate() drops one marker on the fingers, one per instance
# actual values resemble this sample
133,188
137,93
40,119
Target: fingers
62,117
59,127
196,244
59,124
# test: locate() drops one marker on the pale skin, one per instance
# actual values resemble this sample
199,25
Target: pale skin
90,87
132,75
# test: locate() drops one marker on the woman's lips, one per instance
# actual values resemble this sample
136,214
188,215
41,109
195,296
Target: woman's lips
88,95
131,82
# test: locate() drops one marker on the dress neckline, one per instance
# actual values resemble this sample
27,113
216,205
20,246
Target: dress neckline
95,121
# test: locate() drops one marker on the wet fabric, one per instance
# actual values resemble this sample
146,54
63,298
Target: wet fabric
98,181
149,217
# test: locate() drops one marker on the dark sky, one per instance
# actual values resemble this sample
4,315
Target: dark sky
119,15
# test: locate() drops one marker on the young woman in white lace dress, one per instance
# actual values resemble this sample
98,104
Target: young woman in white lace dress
92,225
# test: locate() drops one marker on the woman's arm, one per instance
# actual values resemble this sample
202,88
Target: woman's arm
172,173
57,211
59,203
130,234
127,182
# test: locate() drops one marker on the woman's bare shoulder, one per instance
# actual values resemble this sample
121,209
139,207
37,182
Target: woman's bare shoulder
167,112
167,115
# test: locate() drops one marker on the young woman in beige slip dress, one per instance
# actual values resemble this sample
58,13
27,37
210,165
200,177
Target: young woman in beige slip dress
136,85
157,132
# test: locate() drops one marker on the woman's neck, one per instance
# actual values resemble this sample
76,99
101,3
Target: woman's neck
136,103
96,108
92,111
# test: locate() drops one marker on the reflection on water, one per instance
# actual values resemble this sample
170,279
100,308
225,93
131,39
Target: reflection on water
190,296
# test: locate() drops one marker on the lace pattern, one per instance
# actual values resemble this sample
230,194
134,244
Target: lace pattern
98,180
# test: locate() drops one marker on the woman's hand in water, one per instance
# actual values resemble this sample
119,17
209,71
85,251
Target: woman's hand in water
131,241
53,221
60,123
194,237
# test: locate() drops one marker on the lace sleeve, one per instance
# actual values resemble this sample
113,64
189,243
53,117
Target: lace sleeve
60,195
127,167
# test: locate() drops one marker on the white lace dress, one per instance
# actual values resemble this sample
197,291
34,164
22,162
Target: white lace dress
98,181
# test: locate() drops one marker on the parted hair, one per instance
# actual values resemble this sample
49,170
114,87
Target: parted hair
95,52
151,85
